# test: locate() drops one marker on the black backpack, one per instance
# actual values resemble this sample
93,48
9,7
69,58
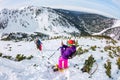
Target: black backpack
73,54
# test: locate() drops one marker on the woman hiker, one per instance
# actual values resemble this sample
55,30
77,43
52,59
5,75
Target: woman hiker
66,53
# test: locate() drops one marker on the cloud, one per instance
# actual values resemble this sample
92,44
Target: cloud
1,0
1,3
12,4
75,8
117,2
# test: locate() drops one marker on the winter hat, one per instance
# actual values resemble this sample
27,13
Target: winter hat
70,42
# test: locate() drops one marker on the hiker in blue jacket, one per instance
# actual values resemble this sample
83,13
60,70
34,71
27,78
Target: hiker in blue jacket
38,44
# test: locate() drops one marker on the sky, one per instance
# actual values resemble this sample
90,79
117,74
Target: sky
109,8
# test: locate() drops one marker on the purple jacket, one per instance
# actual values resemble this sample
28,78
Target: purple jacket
66,51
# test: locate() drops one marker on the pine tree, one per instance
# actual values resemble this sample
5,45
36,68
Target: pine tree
88,64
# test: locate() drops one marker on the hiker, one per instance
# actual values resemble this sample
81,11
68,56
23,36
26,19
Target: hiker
38,44
66,52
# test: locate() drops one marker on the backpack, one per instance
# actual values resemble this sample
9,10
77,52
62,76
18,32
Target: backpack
73,54
38,43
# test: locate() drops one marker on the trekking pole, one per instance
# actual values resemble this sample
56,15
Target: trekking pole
53,53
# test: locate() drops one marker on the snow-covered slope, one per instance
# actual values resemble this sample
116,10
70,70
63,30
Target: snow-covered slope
113,31
51,21
34,19
116,24
38,68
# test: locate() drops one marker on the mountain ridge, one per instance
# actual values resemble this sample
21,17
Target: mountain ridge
52,22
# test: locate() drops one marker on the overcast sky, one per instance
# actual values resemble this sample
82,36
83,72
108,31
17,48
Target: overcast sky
105,7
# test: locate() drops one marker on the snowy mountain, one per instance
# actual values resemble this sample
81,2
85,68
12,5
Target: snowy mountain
104,61
113,31
50,22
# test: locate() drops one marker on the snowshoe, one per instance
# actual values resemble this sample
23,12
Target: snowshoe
56,68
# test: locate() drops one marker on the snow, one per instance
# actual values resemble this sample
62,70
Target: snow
37,67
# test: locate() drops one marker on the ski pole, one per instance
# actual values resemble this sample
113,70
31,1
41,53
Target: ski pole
53,53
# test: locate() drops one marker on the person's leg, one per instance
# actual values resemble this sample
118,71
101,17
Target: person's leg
60,63
37,46
40,47
65,63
